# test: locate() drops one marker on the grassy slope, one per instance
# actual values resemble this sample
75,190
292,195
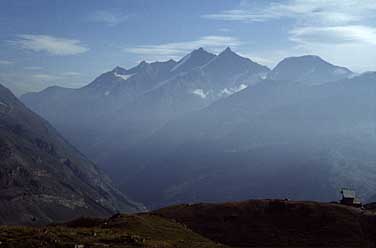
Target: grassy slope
143,230
256,223
278,223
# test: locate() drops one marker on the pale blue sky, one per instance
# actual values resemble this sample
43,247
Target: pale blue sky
68,43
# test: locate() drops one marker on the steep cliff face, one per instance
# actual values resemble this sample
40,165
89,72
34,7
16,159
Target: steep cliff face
45,179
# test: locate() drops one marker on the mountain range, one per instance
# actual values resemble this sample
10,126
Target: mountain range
222,127
277,139
142,99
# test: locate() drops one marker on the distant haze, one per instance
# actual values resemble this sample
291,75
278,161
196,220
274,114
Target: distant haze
221,127
68,43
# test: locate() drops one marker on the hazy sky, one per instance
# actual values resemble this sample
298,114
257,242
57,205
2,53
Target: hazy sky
69,42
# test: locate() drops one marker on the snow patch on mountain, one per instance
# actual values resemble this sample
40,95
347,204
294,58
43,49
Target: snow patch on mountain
200,93
263,76
124,77
230,91
225,92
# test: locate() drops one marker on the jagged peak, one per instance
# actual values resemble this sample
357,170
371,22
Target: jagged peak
119,70
196,52
142,63
228,49
139,66
199,51
196,58
170,61
228,52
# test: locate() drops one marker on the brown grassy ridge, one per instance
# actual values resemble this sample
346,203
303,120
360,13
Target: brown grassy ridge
278,223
